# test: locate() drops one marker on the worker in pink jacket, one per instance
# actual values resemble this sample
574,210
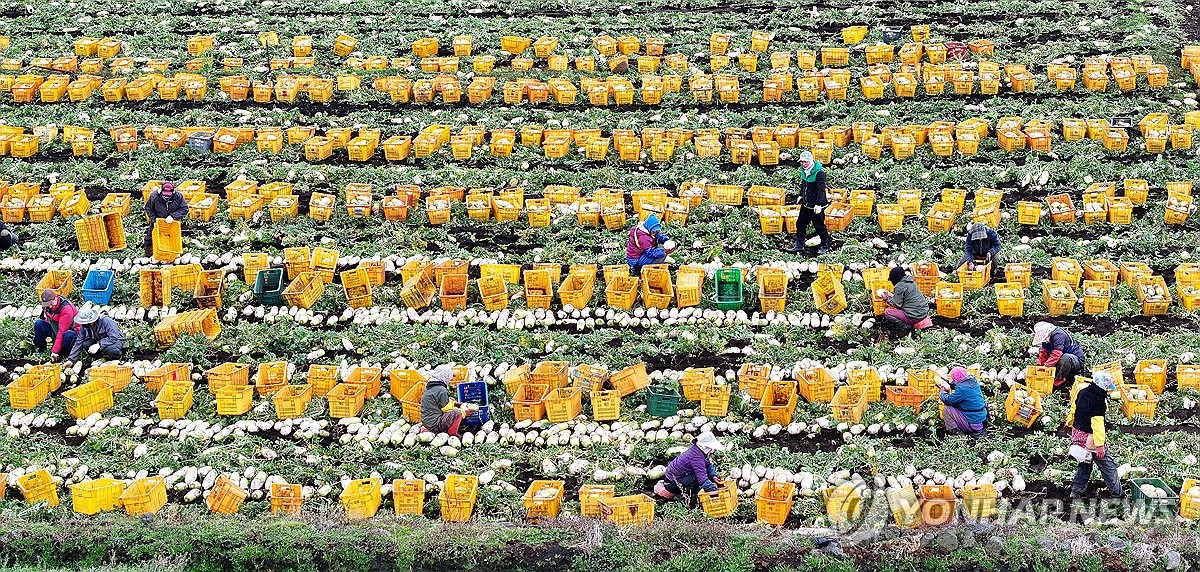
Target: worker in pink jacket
57,323
647,244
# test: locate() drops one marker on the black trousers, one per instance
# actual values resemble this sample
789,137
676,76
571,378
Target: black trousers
807,216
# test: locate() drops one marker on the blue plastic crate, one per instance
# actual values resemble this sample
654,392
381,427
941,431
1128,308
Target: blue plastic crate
473,392
201,142
479,418
98,286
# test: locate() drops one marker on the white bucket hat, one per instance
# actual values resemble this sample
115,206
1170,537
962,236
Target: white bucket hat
708,441
806,156
86,316
1041,332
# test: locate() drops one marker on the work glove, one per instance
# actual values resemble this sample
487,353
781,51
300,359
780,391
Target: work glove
170,219
53,357
1101,451
67,364
94,349
971,265
818,209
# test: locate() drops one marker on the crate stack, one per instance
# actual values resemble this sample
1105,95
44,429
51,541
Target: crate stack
100,233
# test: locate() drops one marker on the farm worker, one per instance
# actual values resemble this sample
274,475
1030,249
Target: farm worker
647,244
7,237
57,323
692,470
1058,350
1088,444
164,203
965,410
812,204
982,244
439,414
99,334
909,307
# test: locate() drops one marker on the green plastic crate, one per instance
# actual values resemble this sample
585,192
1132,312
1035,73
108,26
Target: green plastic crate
269,287
728,285
662,401
1167,504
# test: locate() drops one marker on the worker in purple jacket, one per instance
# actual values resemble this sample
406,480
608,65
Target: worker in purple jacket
693,470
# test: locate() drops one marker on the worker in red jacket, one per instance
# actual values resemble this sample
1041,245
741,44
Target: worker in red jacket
57,323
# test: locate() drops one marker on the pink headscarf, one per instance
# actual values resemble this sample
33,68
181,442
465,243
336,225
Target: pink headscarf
958,374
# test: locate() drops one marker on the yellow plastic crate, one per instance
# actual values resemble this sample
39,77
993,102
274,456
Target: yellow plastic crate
634,510
1023,405
361,498
938,504
286,498
457,498
115,376
590,497
38,486
144,496
346,400
97,495
1138,400
816,385
92,397
979,501
949,296
234,399
529,402
774,502
29,390
779,402
842,503
292,401
305,290
905,507
543,500
849,403
721,503
1152,373
228,374
175,399
408,496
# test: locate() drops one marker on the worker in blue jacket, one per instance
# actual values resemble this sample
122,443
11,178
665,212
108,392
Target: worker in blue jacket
964,409
982,245
99,334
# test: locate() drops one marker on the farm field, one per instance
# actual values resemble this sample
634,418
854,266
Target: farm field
377,189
